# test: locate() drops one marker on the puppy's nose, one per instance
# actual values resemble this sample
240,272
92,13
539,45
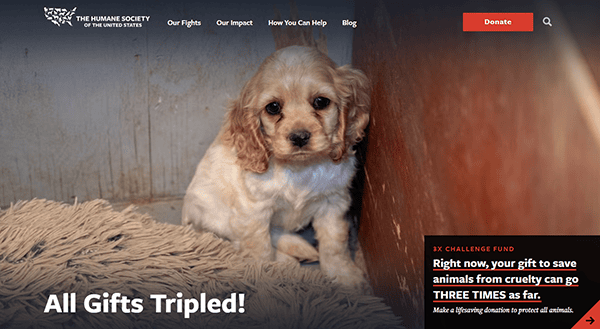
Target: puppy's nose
299,138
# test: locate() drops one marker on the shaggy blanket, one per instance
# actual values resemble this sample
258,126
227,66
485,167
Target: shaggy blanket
88,266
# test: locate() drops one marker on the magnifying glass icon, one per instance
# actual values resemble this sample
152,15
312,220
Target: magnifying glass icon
546,21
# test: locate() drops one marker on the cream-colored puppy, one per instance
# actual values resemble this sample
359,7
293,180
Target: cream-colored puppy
284,159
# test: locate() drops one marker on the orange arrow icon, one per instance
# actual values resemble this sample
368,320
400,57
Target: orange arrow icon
587,321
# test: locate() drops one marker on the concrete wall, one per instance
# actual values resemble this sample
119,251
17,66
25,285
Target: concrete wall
127,113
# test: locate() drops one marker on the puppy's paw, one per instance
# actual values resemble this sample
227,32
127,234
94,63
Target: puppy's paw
354,279
294,246
285,258
345,272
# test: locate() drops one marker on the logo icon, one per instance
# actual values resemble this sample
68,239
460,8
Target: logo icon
59,16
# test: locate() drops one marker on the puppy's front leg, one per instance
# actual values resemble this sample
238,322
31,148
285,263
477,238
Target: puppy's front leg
334,256
252,234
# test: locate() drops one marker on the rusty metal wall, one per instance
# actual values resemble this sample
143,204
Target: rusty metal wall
127,113
471,133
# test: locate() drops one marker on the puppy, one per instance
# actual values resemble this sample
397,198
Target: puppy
284,159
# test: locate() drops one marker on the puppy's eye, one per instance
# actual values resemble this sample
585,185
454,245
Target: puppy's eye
320,103
273,108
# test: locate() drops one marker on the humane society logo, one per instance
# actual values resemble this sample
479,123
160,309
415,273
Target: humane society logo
59,16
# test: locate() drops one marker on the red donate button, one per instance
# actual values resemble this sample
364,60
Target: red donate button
498,22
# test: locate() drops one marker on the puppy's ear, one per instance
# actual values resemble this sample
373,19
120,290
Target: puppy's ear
355,91
244,134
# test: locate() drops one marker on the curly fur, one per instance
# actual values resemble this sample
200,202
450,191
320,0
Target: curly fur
284,159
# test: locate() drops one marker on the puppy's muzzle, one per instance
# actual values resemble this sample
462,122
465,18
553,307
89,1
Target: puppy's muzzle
299,138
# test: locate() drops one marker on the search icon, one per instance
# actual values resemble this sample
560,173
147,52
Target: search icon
546,21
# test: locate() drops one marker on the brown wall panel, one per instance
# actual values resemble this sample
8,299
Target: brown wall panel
471,133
